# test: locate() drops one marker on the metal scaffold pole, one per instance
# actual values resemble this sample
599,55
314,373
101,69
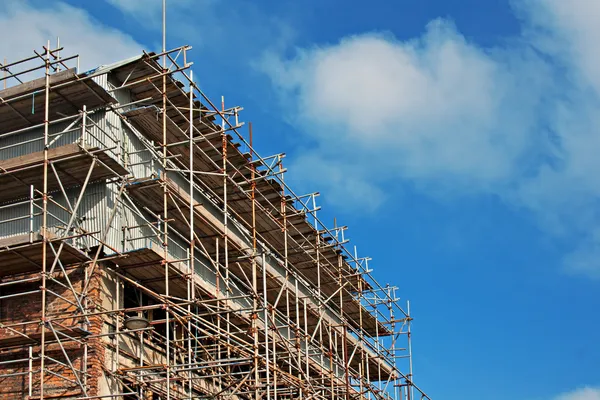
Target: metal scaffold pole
170,258
165,217
44,230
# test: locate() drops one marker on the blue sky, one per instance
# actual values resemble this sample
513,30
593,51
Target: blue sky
456,138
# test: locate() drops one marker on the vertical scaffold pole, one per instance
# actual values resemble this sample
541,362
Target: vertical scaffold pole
190,278
266,323
225,218
409,345
254,272
30,374
165,222
360,320
297,337
284,231
319,300
45,221
31,212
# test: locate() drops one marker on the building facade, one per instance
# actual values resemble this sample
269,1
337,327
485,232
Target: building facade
147,251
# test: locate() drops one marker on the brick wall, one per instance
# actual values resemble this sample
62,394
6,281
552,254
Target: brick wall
24,313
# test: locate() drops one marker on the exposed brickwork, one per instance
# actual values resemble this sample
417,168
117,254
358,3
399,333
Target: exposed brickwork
24,314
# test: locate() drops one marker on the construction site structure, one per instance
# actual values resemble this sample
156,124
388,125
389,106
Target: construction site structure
147,251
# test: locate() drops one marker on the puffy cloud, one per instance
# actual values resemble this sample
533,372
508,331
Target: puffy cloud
213,25
518,121
432,107
150,11
359,190
31,26
587,393
141,9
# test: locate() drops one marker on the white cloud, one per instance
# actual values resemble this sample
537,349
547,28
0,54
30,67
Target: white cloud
518,121
31,26
140,9
150,11
438,111
587,393
584,260
235,30
569,31
430,107
330,177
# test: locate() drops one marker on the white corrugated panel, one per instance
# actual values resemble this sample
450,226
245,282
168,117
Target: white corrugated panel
15,219
138,158
102,81
33,141
123,96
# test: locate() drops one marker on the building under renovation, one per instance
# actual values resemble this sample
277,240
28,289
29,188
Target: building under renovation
147,251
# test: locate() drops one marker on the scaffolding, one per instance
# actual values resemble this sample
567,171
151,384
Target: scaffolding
147,251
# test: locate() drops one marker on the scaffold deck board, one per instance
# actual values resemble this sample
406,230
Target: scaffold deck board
71,162
255,296
19,255
147,266
145,119
23,105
